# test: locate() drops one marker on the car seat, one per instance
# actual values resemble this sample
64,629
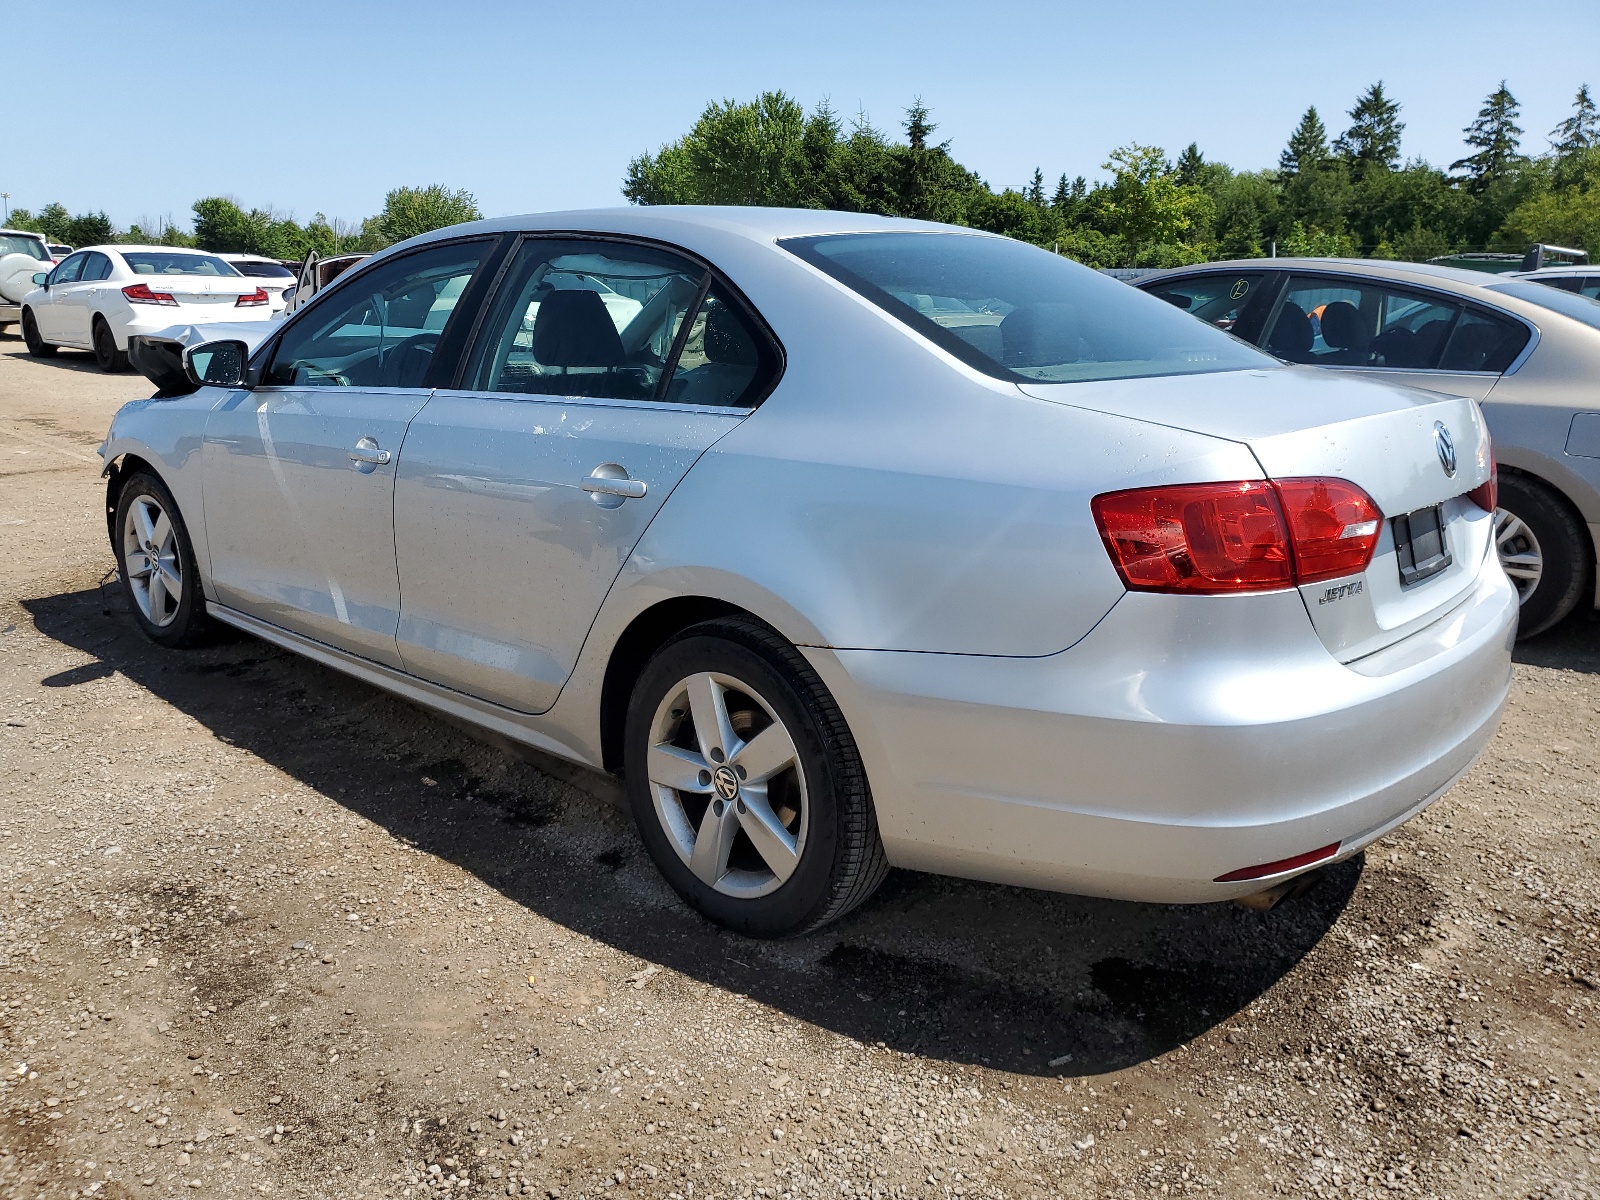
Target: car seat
1290,338
1346,334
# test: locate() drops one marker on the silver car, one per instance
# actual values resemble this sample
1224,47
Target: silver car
1528,353
849,542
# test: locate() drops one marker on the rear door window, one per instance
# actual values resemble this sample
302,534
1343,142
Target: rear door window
1219,299
97,266
1329,321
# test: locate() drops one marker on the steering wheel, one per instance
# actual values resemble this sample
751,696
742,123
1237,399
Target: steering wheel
408,360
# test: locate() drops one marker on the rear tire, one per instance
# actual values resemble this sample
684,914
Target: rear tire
155,559
762,820
106,353
37,346
1545,550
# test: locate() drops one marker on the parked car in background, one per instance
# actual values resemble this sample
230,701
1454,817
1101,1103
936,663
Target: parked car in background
268,272
1530,354
849,542
1582,279
58,251
97,297
316,273
22,256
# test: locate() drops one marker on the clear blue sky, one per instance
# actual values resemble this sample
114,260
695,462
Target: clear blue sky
141,108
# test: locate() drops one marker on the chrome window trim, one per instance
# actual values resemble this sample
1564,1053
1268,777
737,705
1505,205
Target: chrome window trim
603,402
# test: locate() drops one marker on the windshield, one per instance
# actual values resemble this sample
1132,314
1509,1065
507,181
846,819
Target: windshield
1568,304
16,243
263,270
1020,313
158,262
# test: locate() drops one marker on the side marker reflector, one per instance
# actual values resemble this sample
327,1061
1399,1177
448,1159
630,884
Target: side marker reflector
1279,867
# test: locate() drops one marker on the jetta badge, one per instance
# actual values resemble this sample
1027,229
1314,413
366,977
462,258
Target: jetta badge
1446,448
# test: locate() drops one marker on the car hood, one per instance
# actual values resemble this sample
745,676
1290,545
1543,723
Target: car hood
159,356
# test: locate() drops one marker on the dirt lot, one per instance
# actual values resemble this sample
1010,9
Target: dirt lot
266,930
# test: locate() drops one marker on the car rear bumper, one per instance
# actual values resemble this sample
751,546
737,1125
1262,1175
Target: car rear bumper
1184,738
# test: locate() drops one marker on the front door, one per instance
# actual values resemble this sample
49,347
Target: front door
603,372
53,317
299,473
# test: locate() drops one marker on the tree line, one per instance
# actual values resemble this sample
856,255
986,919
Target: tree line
1351,195
222,225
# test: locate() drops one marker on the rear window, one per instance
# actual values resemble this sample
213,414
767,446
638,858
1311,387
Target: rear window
156,262
263,270
12,243
1579,308
1020,313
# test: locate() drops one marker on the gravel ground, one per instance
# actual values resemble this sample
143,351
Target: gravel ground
266,930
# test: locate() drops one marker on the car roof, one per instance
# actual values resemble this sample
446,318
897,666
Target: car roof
662,220
121,248
33,233
1565,269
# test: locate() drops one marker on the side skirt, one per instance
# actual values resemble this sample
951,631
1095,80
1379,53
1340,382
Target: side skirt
453,704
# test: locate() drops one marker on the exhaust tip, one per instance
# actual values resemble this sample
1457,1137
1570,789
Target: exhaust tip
1290,889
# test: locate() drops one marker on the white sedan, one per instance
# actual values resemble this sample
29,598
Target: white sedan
267,272
99,297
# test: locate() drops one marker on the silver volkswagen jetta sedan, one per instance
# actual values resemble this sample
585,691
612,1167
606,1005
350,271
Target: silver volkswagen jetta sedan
849,542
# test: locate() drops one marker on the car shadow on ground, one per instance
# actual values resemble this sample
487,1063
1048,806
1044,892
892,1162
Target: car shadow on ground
72,360
1573,645
1026,981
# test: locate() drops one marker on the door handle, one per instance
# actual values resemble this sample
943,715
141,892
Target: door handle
608,485
366,454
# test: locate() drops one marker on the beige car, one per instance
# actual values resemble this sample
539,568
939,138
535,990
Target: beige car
1527,352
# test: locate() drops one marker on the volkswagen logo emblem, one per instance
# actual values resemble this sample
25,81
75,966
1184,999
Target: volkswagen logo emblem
1446,448
726,782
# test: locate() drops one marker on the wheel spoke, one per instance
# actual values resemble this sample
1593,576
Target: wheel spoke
709,860
764,755
772,841
161,534
1523,566
670,766
139,564
172,582
158,597
709,707
140,512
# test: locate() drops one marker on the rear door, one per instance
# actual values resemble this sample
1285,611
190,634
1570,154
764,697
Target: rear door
603,371
1406,335
299,473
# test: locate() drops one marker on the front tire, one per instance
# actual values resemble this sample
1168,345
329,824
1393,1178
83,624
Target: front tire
156,562
1544,549
111,359
746,784
37,346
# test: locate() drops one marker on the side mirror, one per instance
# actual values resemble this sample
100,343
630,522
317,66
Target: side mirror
41,279
216,364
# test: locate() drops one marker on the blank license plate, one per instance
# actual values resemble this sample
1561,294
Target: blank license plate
1420,544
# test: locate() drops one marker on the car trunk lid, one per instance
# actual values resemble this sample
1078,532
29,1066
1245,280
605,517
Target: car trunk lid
1392,442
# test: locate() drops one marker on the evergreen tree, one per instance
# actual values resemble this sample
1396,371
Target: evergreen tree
1035,192
1580,131
918,127
1063,196
1373,139
1308,145
1190,163
1496,136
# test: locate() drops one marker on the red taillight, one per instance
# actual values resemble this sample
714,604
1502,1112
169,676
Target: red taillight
1247,536
259,296
1334,526
1198,537
1487,494
140,293
1279,867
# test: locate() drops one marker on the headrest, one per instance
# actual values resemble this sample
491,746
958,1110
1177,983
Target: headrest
726,340
1039,335
1291,333
1341,326
574,329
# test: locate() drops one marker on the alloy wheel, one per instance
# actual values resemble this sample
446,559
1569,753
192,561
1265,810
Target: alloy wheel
152,560
727,785
1519,552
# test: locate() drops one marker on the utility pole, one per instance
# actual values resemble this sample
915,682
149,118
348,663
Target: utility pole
6,198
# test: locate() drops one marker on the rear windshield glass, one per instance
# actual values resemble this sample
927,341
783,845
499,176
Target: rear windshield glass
1020,313
263,270
156,262
1579,308
11,243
